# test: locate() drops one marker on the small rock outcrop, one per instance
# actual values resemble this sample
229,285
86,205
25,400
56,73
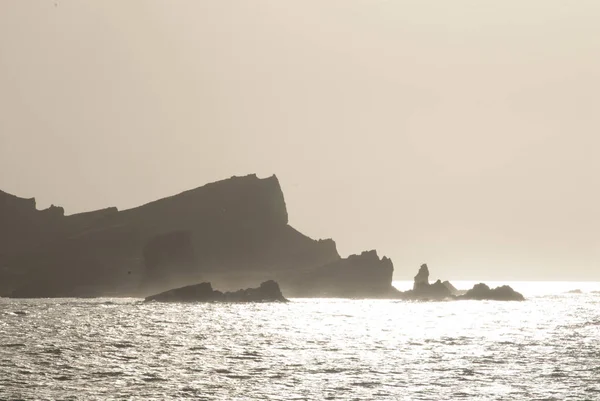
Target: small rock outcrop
358,276
267,292
422,290
453,290
422,278
483,292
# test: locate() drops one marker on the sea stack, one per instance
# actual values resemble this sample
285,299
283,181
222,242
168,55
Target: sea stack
422,290
422,278
439,290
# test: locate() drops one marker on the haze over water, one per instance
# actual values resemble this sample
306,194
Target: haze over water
462,133
544,348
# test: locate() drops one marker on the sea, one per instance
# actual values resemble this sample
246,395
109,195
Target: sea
546,348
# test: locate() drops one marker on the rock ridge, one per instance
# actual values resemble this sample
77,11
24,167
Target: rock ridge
232,233
268,291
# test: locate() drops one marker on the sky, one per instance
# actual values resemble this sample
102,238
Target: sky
464,134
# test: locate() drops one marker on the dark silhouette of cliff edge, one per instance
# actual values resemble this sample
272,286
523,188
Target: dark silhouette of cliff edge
233,233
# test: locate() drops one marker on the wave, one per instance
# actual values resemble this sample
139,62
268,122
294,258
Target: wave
122,345
16,313
239,376
150,379
108,374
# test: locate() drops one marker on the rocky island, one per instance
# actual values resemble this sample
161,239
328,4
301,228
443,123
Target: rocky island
267,292
483,292
424,291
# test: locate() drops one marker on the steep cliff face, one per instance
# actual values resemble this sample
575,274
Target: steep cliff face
37,249
168,258
234,233
21,224
12,206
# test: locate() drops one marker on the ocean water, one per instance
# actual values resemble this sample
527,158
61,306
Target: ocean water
547,347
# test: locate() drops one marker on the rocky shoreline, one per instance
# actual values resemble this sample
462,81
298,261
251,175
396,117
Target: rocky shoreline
232,233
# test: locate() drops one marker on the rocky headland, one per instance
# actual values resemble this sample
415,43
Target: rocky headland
233,233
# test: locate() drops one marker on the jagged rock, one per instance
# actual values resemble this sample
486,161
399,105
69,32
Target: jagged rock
422,278
422,290
483,292
54,212
453,290
267,292
358,276
439,290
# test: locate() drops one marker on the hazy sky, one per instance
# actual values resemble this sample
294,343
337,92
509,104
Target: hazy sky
465,134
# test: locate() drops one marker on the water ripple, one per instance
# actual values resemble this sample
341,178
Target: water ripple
545,348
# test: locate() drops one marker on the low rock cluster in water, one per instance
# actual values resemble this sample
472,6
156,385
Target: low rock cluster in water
267,292
482,291
423,290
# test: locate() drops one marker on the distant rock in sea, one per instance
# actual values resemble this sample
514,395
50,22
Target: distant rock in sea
575,292
483,292
439,290
267,292
422,290
452,288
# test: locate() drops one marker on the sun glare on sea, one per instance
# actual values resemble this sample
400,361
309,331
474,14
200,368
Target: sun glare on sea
527,288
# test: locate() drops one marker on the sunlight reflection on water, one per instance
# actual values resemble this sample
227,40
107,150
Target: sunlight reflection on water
527,288
546,347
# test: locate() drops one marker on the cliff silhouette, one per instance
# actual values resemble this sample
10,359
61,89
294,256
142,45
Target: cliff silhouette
233,233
